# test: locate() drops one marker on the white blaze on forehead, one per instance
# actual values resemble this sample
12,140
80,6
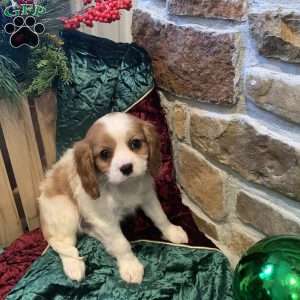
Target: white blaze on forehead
116,125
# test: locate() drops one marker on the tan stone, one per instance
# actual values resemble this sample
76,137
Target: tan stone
276,92
206,227
277,33
240,240
202,182
224,9
249,148
179,121
167,107
267,216
190,61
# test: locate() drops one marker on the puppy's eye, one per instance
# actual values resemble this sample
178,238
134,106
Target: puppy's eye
105,154
135,144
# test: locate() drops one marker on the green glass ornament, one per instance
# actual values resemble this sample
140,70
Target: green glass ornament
269,270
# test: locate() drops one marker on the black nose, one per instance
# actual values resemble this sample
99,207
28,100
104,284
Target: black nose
126,169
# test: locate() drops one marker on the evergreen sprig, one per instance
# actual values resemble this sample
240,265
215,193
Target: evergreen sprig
49,64
9,87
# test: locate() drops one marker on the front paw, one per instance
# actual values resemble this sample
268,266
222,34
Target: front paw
131,270
74,268
175,234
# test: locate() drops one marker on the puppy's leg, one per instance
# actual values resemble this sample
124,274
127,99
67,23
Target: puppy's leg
115,243
154,211
60,220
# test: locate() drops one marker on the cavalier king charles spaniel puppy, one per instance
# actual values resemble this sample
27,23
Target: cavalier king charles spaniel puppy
101,180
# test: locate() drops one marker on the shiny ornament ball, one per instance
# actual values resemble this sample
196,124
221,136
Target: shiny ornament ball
269,270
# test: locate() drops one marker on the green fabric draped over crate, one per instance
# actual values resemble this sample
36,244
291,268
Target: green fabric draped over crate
171,272
107,77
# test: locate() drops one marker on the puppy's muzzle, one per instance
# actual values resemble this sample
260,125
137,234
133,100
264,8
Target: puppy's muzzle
126,169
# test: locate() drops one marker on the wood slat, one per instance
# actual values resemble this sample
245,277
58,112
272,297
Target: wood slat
10,225
125,35
21,144
46,113
108,31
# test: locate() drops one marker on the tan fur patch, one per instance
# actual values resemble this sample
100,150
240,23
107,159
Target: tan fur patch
88,159
137,132
58,183
86,168
151,146
152,138
100,140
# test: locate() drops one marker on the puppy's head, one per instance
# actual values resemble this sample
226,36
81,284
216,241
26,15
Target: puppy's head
118,147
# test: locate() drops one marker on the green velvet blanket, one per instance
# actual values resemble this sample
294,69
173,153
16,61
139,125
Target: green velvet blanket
171,272
112,77
107,76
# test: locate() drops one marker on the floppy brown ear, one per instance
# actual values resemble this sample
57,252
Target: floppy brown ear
152,138
86,169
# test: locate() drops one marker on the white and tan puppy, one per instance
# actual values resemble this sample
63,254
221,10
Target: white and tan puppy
98,182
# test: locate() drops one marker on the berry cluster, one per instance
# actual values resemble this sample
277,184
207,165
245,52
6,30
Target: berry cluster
105,11
25,2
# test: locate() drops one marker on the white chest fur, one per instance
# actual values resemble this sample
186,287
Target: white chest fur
116,201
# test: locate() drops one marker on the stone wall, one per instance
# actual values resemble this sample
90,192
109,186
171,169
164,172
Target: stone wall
229,78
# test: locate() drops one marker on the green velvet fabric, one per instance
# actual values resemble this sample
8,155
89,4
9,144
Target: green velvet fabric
171,272
107,76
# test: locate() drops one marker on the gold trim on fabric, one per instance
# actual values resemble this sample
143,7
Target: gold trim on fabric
138,101
176,245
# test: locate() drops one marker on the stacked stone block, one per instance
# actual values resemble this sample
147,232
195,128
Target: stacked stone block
228,75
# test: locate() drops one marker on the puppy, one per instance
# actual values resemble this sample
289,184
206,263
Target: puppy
102,179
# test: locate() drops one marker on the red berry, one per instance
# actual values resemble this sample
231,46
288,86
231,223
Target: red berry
105,11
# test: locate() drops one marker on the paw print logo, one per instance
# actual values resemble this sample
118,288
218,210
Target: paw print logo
24,32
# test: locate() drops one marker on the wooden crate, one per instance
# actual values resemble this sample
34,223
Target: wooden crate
27,140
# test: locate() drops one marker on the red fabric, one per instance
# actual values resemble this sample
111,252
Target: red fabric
19,256
140,227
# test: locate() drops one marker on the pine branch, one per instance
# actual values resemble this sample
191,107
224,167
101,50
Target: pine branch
9,87
49,64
